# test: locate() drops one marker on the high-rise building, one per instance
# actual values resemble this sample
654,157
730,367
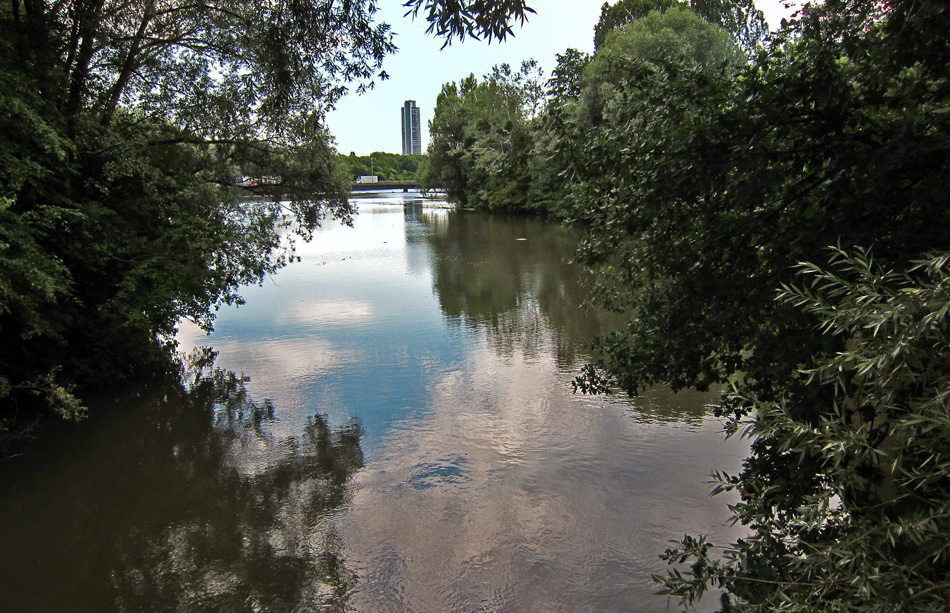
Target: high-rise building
411,128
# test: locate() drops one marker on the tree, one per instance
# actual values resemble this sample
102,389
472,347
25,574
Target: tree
554,147
480,138
447,141
640,60
738,17
564,84
122,128
703,195
613,16
719,200
489,19
387,166
654,75
871,530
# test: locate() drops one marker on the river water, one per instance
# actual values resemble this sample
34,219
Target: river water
388,426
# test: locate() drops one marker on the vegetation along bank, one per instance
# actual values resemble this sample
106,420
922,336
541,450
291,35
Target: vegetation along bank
770,211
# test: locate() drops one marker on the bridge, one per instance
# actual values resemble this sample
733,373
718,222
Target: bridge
262,188
403,185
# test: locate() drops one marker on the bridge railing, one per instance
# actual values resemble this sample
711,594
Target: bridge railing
405,184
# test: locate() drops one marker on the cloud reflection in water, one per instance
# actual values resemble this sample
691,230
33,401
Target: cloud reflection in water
513,495
487,485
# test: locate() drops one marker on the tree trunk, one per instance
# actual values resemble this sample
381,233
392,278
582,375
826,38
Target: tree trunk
128,65
80,72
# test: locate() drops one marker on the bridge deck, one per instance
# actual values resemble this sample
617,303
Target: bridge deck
362,187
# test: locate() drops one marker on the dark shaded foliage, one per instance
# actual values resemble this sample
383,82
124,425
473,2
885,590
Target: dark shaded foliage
122,129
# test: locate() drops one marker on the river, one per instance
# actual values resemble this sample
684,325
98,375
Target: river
388,426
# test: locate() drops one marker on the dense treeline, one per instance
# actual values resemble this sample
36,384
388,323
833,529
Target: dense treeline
122,128
770,214
481,140
510,141
386,166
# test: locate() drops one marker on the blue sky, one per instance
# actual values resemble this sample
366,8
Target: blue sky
370,122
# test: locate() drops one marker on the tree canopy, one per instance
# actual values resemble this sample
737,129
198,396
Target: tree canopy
122,128
739,17
489,19
525,161
769,216
386,166
481,138
781,232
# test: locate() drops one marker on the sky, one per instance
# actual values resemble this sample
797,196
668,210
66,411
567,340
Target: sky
370,122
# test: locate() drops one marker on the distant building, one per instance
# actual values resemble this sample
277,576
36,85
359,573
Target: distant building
411,128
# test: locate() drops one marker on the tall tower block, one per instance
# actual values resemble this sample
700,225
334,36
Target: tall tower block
411,128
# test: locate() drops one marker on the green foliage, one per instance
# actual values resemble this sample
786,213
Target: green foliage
512,143
872,531
564,84
480,139
675,36
655,69
387,166
719,188
146,231
703,191
475,18
661,68
738,17
613,16
122,127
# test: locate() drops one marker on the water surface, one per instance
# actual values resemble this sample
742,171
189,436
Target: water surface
400,435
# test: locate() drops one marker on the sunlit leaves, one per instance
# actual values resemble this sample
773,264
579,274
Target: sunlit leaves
738,17
481,138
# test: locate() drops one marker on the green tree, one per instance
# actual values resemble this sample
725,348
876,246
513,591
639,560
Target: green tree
620,13
869,528
553,148
448,140
663,67
387,166
673,54
703,193
738,17
719,198
564,84
489,19
122,126
480,138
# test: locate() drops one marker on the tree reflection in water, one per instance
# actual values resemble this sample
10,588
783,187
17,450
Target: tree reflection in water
200,505
513,278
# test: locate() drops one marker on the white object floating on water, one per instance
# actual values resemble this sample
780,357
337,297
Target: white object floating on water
521,239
